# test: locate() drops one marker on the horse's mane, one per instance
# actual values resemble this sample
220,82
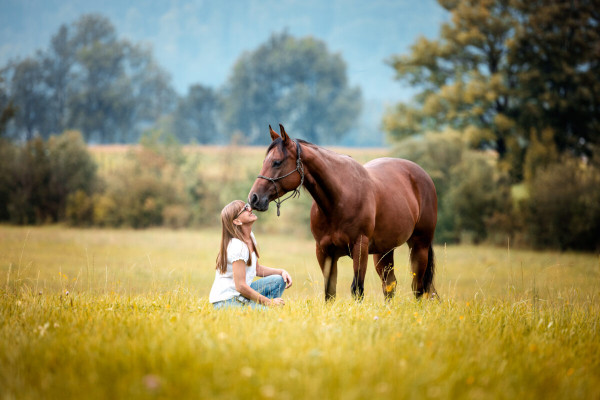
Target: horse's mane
306,143
279,143
323,149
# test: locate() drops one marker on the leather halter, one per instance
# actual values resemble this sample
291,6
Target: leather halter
299,169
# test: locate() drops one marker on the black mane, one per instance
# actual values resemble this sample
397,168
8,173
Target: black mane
279,143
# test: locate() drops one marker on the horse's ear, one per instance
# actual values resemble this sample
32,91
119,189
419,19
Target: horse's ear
274,134
284,135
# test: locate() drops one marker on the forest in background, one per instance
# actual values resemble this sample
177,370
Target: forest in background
112,91
505,120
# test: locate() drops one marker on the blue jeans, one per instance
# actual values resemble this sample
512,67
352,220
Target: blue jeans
271,286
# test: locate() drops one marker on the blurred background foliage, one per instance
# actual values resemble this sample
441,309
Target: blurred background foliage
112,91
505,119
292,80
513,76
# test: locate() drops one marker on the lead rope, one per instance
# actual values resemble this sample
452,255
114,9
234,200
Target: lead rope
295,192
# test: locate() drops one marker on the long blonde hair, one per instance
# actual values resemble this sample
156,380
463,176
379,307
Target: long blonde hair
230,231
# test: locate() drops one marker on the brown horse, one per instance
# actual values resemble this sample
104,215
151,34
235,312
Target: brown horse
357,210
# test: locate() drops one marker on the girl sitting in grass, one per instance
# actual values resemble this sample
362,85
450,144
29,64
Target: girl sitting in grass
237,265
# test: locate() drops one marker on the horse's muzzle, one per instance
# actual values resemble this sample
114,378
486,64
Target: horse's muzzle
257,202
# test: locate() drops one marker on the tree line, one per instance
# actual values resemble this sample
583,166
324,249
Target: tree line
519,77
112,90
507,120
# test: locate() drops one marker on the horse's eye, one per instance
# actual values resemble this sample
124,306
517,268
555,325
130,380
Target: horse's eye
277,164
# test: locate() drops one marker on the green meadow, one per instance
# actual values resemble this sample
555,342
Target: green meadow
90,313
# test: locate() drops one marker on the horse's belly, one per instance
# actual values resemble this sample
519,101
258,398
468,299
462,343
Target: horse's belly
384,243
395,222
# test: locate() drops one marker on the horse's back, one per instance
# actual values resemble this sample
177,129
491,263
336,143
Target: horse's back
389,170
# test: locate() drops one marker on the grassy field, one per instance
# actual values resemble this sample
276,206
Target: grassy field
125,314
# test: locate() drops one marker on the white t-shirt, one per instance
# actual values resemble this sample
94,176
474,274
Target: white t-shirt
223,287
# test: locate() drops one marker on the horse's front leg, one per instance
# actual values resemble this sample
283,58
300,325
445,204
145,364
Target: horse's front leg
360,253
384,264
328,264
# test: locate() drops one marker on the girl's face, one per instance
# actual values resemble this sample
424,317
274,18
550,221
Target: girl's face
245,216
245,208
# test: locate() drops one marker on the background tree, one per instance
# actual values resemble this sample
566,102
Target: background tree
109,89
57,63
118,86
7,110
100,104
564,209
463,76
28,97
195,118
556,51
293,81
502,71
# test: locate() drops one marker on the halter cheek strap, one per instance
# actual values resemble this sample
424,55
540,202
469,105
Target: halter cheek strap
299,169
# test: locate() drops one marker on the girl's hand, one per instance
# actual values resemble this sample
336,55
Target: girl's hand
286,278
276,302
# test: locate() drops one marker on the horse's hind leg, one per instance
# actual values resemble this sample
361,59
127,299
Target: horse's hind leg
422,265
328,264
384,264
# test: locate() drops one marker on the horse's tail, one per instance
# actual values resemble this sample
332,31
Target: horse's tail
429,274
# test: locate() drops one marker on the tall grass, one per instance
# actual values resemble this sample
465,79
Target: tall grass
124,314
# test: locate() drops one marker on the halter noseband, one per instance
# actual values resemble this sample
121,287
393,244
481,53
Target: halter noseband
299,169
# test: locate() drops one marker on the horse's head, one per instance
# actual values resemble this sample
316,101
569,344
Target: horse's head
278,174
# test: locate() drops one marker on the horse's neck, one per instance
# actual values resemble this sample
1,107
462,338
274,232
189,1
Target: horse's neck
323,176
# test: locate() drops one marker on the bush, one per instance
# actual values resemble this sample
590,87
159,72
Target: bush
80,209
29,199
37,178
147,188
139,196
105,212
564,206
7,181
72,171
156,185
479,194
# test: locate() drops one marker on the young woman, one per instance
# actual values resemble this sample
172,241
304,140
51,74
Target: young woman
237,265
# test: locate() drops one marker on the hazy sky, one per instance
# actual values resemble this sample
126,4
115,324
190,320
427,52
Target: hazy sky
199,41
